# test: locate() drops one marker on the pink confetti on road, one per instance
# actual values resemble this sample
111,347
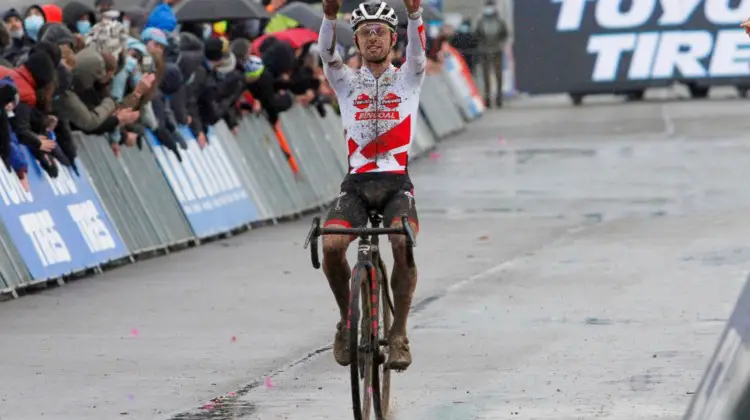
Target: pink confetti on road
131,397
134,332
232,394
369,390
434,156
209,406
234,338
268,382
503,141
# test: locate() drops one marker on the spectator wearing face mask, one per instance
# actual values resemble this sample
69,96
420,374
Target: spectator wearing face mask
156,42
79,17
20,42
260,83
492,32
33,22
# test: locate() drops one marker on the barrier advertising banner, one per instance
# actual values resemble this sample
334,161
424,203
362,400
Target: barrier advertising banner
60,226
206,185
455,69
724,391
616,45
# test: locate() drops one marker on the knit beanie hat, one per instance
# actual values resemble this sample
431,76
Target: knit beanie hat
214,49
41,67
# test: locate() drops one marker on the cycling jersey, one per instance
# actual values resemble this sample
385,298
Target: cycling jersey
379,114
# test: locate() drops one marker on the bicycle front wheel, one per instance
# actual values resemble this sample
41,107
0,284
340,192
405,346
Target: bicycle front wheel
381,375
359,277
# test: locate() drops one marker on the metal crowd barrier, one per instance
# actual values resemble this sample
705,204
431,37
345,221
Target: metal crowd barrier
148,199
135,194
439,108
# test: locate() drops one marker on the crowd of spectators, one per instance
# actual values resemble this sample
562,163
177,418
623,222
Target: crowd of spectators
118,73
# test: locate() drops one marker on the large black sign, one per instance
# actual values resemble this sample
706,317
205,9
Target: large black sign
601,45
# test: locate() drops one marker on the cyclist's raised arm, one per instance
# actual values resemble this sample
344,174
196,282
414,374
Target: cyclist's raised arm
337,73
416,43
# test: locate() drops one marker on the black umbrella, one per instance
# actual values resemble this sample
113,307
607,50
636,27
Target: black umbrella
216,10
311,18
428,12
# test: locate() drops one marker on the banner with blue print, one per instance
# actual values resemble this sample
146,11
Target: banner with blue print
59,226
206,185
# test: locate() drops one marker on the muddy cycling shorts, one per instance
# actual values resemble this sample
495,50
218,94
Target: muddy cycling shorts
392,195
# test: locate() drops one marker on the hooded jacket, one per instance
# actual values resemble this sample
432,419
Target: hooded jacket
19,47
191,54
56,33
52,13
86,115
74,11
21,122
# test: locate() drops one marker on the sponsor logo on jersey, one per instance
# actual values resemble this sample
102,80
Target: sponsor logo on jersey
377,115
391,101
363,101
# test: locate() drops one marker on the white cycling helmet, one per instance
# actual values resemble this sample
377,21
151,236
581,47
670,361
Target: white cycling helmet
374,11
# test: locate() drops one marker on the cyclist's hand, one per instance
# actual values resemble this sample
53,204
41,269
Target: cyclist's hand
331,8
412,5
202,141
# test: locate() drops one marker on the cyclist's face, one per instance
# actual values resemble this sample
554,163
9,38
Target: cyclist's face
374,41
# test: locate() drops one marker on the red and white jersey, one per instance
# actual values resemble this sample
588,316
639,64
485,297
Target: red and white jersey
379,114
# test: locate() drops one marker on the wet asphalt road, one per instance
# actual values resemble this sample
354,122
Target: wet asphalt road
574,263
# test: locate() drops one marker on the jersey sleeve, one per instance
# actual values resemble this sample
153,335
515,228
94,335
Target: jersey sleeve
338,74
416,56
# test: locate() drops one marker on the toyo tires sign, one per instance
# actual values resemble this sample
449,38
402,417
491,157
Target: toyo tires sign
596,45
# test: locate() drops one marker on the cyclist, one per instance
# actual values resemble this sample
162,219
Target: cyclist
379,107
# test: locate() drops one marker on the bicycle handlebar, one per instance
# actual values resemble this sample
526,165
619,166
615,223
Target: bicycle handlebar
312,237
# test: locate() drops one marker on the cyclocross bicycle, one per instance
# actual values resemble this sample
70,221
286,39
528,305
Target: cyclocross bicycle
368,287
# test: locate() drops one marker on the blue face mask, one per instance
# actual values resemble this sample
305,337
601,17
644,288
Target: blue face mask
32,24
131,64
83,26
207,31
